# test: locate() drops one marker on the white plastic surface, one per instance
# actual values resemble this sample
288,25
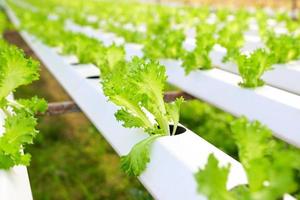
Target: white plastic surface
277,109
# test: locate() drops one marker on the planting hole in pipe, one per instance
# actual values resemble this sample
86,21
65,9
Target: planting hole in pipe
75,63
179,129
93,77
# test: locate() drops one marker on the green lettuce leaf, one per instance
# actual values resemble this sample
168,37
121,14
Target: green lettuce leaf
252,67
212,180
19,131
15,70
173,110
136,161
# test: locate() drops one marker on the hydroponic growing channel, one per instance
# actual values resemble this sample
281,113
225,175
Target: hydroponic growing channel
115,64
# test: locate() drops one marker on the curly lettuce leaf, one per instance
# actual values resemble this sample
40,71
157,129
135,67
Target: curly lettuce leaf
252,67
19,121
136,161
212,180
149,78
128,119
32,105
231,37
284,48
87,50
124,94
112,59
15,70
199,57
196,60
19,131
271,165
166,44
253,141
173,110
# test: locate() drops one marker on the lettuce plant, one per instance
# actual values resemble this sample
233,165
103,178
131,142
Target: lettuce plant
167,44
231,37
252,67
19,127
284,47
137,87
113,57
199,57
272,167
